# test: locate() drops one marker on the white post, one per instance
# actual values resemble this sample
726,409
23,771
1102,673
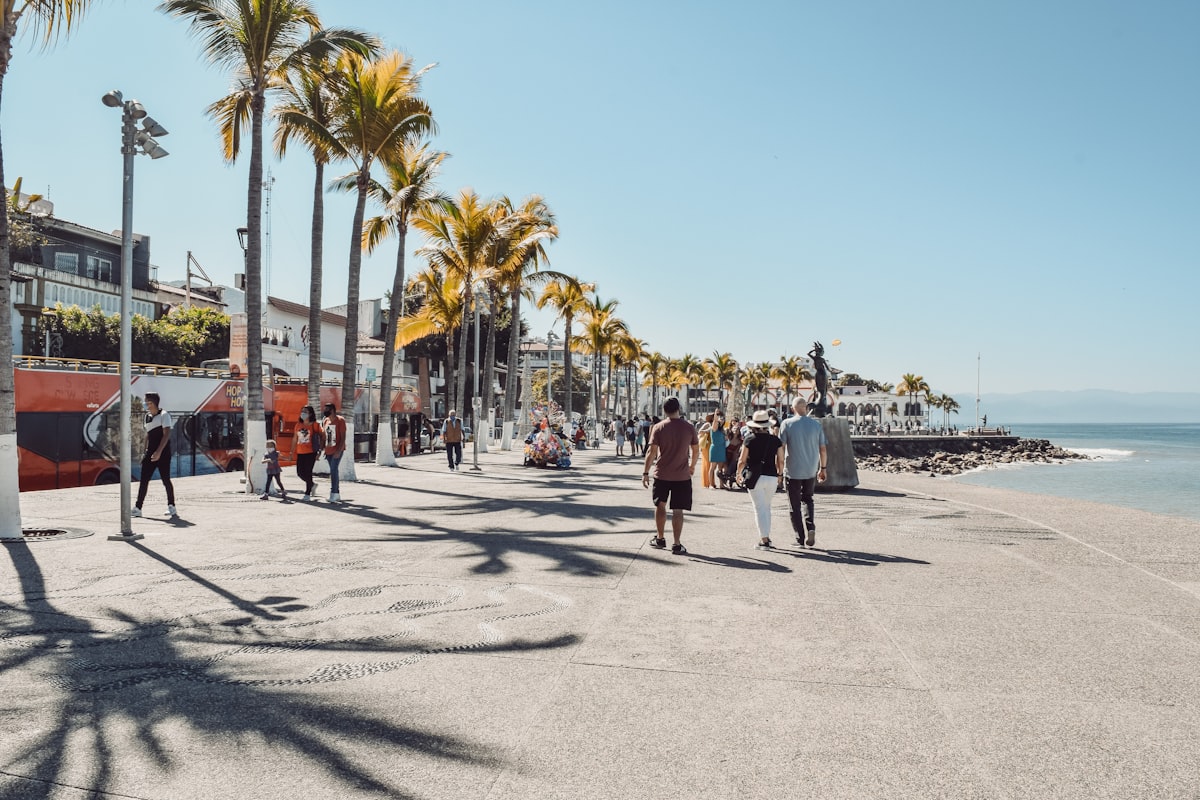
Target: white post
128,149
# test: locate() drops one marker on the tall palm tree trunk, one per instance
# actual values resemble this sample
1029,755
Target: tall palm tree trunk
316,273
350,351
254,427
629,388
385,456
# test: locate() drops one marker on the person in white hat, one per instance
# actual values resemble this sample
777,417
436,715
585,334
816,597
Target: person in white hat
763,453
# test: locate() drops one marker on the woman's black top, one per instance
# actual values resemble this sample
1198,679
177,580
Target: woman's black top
762,446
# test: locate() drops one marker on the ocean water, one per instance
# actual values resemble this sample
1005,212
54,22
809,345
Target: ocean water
1149,466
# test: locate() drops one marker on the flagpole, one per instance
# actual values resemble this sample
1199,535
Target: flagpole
978,358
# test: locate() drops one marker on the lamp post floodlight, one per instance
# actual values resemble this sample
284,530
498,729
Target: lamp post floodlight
133,141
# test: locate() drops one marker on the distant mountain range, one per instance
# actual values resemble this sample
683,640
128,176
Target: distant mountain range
1087,405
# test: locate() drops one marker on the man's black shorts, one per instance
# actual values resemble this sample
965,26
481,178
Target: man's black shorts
676,494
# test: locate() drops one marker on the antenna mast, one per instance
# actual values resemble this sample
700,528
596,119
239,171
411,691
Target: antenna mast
268,182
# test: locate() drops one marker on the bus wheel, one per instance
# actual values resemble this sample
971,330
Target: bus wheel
108,477
235,465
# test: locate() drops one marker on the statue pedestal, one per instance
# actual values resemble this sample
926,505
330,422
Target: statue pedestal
841,472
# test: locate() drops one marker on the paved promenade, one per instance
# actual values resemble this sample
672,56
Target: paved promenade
509,634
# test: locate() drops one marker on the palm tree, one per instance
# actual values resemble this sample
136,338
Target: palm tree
934,401
600,328
459,239
912,385
653,365
308,93
408,188
49,18
567,296
531,227
261,42
538,226
894,410
521,234
723,368
691,369
790,372
438,296
757,378
374,115
949,406
627,353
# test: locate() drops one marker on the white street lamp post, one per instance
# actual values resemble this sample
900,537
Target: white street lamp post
132,141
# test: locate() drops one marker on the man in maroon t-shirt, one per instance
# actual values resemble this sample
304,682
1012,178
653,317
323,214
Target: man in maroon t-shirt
675,445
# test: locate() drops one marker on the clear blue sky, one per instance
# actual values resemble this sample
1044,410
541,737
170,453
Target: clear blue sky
924,181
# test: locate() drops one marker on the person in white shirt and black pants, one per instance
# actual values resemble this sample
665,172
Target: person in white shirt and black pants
158,453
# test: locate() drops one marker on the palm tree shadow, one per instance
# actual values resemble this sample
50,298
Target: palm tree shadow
153,677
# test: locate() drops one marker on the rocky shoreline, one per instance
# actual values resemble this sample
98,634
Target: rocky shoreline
902,456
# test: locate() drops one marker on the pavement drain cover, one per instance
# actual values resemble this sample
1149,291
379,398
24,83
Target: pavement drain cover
49,534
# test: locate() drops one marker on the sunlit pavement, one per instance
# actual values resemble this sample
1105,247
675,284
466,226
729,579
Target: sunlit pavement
508,633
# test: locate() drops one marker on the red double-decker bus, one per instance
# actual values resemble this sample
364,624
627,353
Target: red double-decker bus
68,418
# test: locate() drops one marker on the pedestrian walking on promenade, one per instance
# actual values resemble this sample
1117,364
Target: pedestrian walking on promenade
645,427
333,429
271,459
618,427
716,454
158,454
805,457
452,435
762,452
673,453
306,443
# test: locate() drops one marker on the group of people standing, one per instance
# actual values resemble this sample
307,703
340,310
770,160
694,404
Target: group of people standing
311,440
791,454
634,431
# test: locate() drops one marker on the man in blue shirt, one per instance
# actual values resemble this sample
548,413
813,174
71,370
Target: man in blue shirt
805,458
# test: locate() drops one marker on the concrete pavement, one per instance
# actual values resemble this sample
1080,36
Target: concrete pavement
509,634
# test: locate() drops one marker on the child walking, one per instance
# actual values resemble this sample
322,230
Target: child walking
271,459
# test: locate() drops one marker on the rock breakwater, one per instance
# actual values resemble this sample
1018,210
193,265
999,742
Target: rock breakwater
942,456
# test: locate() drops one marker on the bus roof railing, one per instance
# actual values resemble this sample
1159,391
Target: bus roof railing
96,365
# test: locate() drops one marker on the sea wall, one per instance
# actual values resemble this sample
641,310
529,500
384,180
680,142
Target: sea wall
950,455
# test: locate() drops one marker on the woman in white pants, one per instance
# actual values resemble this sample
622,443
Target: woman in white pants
763,452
